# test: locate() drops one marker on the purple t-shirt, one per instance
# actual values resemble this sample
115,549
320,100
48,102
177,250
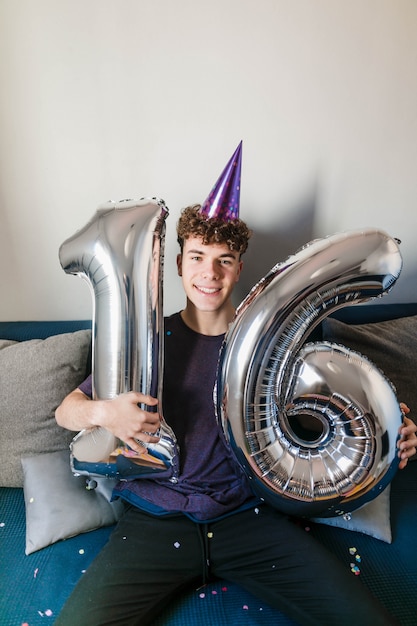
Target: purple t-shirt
210,482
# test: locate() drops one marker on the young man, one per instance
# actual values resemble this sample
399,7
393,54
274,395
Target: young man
179,535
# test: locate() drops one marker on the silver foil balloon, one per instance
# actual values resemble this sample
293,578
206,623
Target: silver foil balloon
314,425
120,253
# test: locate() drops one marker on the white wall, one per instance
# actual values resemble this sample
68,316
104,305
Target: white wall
108,100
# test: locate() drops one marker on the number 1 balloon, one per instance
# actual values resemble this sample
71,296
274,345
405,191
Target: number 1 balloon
120,253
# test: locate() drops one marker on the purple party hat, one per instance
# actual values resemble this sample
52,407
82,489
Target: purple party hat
223,200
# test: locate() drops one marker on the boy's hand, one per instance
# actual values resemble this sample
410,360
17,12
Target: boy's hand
407,444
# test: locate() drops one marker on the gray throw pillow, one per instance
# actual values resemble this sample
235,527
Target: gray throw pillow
35,376
373,518
58,504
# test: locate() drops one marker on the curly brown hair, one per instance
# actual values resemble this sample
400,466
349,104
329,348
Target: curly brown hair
192,223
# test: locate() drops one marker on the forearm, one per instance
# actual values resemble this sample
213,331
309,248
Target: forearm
78,412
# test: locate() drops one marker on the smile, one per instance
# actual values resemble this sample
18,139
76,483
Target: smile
207,290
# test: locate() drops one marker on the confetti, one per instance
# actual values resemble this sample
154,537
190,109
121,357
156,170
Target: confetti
2,524
257,511
31,500
224,588
353,567
202,595
210,535
177,544
81,551
245,607
214,592
48,613
35,573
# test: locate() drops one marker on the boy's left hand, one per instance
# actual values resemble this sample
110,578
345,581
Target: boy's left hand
407,444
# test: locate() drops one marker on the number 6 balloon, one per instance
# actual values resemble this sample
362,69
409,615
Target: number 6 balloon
120,253
270,385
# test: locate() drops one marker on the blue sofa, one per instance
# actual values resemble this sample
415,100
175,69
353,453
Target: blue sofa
36,578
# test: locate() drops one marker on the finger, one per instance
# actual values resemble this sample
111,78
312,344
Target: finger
404,408
144,437
407,427
153,418
406,451
404,444
146,429
136,445
140,443
142,398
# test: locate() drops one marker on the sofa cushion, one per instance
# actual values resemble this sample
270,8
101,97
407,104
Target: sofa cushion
59,505
35,377
373,518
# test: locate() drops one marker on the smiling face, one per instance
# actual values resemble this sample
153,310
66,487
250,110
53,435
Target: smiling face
210,265
209,273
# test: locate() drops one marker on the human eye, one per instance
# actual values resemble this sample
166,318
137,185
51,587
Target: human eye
227,261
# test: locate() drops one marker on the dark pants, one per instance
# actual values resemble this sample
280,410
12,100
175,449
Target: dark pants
148,561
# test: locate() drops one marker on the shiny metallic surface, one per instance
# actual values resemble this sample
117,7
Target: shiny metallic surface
314,425
120,254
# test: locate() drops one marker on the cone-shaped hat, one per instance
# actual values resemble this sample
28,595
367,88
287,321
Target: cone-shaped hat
223,200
